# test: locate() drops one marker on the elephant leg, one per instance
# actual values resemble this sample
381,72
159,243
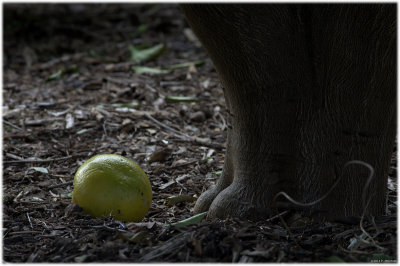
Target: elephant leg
310,88
206,198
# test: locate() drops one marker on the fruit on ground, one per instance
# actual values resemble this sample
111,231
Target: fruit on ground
110,184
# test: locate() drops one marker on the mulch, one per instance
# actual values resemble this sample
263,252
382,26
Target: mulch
69,92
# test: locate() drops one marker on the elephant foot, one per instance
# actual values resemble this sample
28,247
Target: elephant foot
239,201
204,201
206,198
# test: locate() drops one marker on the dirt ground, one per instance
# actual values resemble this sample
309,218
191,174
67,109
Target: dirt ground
72,89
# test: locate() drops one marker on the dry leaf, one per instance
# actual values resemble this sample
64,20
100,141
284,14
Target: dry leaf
159,155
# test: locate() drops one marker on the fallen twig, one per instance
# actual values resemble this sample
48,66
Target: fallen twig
40,160
176,133
276,216
182,136
29,219
24,232
183,164
12,125
61,184
55,61
40,122
201,142
17,136
167,247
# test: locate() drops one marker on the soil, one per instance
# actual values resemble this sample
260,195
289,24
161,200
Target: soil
70,92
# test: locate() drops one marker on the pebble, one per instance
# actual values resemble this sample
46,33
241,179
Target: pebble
198,116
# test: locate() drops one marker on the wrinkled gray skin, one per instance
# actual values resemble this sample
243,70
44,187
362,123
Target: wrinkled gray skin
308,88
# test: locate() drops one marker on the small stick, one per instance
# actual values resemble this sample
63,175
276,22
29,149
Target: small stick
17,136
183,164
29,219
197,141
177,133
40,160
12,125
61,184
56,175
53,62
13,156
277,216
24,232
183,136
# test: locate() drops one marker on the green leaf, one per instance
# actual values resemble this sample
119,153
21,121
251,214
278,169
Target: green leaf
66,195
180,99
143,69
142,46
54,76
146,54
205,159
217,173
81,259
71,69
334,259
7,128
192,220
140,29
380,257
186,64
40,169
94,53
173,200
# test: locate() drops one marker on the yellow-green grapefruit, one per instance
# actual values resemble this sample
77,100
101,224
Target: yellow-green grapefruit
110,184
